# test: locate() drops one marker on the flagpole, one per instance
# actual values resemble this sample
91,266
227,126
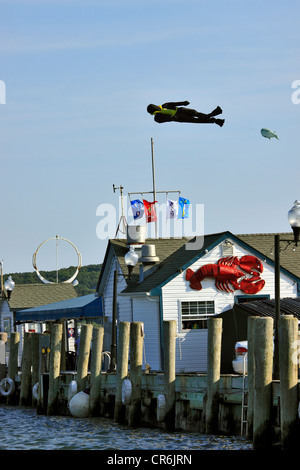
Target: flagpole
153,178
56,259
122,218
154,192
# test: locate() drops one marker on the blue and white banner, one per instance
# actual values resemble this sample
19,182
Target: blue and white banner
172,209
184,205
137,208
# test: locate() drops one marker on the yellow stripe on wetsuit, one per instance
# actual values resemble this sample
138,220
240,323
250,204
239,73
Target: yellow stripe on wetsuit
170,112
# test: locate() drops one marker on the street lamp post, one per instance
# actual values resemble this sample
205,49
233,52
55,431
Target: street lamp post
294,221
6,290
113,350
131,259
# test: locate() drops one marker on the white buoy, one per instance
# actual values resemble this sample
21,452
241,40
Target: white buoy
126,392
72,389
79,405
7,387
35,391
161,407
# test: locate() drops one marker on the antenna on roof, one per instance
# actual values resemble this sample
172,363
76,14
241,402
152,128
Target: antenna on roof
79,261
1,276
153,179
122,218
154,191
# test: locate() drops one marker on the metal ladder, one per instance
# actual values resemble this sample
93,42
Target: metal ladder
244,420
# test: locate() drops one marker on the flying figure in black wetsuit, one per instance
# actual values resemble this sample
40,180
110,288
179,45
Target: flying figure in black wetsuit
170,112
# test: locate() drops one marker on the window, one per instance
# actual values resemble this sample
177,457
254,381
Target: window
194,315
7,326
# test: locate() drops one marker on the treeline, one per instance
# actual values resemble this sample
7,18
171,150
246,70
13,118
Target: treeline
87,277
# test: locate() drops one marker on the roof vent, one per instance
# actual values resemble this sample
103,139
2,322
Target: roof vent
136,234
147,260
227,248
149,254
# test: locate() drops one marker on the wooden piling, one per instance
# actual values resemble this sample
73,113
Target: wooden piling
169,335
96,365
251,375
25,392
136,363
288,367
12,371
263,344
13,355
54,370
3,337
63,359
83,358
213,373
122,368
44,353
35,337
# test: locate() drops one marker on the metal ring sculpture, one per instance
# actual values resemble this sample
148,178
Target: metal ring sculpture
39,274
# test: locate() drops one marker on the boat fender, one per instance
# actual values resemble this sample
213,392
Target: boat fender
126,392
79,405
72,390
161,407
7,387
35,391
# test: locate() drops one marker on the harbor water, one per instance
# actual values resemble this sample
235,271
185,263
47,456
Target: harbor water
21,428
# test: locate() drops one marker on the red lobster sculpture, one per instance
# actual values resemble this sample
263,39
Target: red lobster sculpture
228,271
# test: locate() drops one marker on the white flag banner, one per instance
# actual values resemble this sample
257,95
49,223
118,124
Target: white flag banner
172,209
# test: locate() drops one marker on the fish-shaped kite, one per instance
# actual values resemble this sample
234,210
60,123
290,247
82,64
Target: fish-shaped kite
268,134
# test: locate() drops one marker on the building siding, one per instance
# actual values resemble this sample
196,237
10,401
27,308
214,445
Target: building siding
123,303
191,347
147,312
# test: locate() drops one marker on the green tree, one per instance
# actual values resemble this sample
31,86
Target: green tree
87,277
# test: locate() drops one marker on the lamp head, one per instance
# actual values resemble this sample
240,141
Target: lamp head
294,220
9,286
131,259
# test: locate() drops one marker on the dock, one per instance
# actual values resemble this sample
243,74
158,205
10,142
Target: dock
256,406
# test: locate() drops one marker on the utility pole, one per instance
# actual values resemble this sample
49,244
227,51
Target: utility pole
113,351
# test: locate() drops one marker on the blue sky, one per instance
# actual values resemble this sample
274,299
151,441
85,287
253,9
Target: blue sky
79,75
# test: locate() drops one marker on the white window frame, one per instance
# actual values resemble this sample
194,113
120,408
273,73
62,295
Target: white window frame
208,304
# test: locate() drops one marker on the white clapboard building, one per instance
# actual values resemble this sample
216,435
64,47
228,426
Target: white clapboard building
159,290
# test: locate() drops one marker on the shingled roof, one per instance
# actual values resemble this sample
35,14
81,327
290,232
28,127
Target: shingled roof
264,243
164,249
173,260
266,308
175,257
33,295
